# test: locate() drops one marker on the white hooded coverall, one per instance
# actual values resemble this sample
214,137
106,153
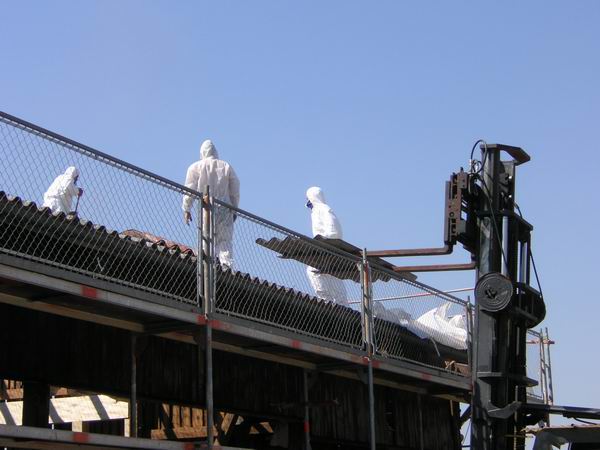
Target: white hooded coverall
60,194
326,224
224,186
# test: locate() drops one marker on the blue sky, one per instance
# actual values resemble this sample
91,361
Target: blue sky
376,102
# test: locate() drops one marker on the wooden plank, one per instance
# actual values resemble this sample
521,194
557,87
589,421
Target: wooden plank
197,418
227,421
186,417
181,433
176,416
70,409
11,394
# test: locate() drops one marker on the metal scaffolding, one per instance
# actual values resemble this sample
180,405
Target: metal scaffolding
126,247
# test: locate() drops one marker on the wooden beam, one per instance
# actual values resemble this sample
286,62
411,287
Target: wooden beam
186,338
12,394
39,305
69,409
181,433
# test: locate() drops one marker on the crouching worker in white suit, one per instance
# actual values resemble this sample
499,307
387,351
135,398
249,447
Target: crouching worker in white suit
225,186
326,224
59,196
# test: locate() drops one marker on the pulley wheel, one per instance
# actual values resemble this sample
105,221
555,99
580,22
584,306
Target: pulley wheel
493,292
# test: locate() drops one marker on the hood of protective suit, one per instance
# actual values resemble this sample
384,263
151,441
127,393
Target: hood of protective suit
324,221
71,172
208,150
315,195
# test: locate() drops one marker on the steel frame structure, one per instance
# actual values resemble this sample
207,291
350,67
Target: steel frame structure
200,323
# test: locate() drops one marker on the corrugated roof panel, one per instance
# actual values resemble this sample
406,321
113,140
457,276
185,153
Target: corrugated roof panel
161,266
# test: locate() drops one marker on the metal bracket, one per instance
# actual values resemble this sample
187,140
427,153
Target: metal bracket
502,413
517,153
436,267
457,228
437,251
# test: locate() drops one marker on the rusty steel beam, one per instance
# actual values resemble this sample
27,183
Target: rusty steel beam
435,268
445,250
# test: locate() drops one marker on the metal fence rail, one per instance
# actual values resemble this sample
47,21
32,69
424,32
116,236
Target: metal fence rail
415,322
115,234
283,279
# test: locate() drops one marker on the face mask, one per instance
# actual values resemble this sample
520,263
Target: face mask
309,204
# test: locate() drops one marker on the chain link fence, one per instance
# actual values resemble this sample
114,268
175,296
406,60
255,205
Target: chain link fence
415,322
126,228
268,274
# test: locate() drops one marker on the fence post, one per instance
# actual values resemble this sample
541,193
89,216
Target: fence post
550,389
366,310
367,316
469,320
199,253
207,282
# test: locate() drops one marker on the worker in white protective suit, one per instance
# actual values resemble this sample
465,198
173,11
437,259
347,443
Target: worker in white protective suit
326,224
59,196
224,186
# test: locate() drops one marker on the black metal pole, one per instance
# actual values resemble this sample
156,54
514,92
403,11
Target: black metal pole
36,404
372,443
209,387
421,430
306,411
133,425
208,252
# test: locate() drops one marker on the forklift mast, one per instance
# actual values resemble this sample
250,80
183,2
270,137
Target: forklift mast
506,305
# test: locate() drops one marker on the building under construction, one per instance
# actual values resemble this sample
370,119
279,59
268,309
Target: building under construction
120,328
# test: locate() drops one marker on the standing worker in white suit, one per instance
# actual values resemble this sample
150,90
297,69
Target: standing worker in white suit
224,186
326,224
59,196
